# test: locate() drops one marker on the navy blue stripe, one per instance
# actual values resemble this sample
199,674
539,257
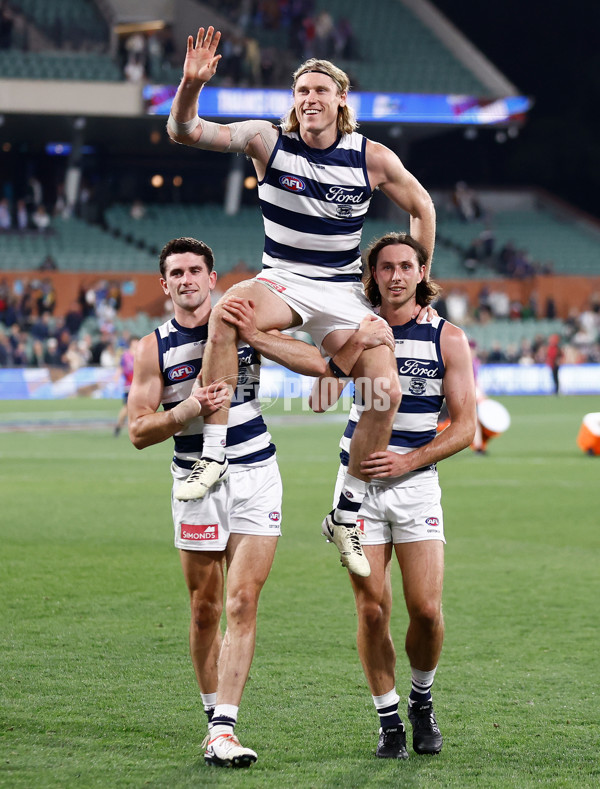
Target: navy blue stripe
187,445
347,157
350,428
388,710
237,435
439,348
415,331
252,457
415,404
407,438
255,457
311,224
176,339
334,278
327,259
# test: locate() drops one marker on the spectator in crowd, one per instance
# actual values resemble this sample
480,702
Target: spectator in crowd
41,219
74,318
6,28
457,306
5,350
466,202
74,357
53,356
6,221
33,193
554,358
48,264
138,210
496,354
37,357
22,216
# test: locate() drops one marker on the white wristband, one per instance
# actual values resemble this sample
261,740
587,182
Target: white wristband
187,127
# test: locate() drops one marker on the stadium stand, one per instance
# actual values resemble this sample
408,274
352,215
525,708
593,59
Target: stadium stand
75,245
74,22
511,333
399,53
87,66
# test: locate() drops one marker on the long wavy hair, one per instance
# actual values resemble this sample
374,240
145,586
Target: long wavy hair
427,289
346,121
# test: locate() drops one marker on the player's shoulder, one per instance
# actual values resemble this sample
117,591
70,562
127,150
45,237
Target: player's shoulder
453,336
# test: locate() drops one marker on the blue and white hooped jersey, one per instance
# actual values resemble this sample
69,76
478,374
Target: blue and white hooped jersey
314,204
180,352
421,372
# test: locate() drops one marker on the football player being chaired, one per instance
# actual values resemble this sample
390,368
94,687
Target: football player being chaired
316,178
401,511
234,529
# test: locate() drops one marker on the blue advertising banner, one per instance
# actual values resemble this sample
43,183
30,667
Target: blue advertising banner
424,108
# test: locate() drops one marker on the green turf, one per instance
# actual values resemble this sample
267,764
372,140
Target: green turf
97,688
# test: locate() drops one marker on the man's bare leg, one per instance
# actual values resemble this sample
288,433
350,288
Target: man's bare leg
422,565
249,561
204,576
373,597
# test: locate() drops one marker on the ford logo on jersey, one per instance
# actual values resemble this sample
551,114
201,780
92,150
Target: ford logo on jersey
292,183
181,372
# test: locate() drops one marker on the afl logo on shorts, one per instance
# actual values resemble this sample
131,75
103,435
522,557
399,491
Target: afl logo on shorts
417,386
181,372
275,516
432,521
292,183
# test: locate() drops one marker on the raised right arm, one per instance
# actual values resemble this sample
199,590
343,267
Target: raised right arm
256,138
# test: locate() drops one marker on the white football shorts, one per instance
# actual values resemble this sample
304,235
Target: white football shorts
323,306
247,502
407,512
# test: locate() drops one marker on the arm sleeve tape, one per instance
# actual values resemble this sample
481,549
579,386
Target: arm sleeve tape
240,134
187,127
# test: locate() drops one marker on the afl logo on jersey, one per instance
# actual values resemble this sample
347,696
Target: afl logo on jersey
181,372
292,183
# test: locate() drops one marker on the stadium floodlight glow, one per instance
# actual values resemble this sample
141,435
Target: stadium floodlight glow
403,108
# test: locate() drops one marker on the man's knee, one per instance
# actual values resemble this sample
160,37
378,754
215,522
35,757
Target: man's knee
206,614
373,615
427,615
242,606
219,330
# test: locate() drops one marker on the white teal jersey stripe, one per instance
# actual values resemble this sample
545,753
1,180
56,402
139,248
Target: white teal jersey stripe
314,203
421,373
180,352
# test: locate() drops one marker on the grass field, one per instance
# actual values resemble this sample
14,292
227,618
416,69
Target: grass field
97,689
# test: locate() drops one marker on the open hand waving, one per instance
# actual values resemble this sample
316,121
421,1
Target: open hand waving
200,58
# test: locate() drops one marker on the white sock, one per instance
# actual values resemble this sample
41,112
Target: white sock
421,685
213,442
224,718
209,700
